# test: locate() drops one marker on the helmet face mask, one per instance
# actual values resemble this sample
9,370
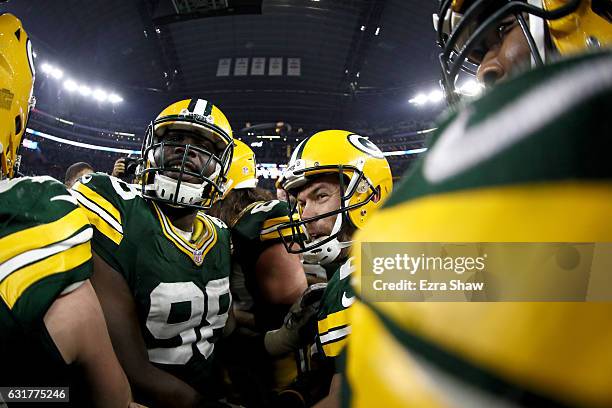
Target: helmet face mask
363,178
463,28
194,177
316,250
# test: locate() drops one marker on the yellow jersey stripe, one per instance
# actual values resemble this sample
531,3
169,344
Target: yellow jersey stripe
206,242
99,201
103,227
19,281
202,231
334,349
334,320
533,351
286,232
35,255
275,221
42,235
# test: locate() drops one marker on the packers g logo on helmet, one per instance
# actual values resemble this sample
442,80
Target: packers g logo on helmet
365,146
202,119
365,180
16,86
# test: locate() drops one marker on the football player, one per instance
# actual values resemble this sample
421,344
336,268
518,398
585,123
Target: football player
266,280
161,265
527,162
338,179
52,330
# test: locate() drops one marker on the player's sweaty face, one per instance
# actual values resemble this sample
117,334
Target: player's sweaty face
507,53
195,161
319,197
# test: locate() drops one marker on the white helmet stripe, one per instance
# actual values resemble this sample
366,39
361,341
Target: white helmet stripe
200,107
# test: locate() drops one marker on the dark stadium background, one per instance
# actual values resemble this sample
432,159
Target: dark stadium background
361,61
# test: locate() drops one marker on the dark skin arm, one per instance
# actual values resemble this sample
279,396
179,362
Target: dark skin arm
157,386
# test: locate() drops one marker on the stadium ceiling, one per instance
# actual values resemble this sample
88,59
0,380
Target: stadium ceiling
356,56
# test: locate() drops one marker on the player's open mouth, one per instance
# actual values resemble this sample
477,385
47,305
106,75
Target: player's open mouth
189,166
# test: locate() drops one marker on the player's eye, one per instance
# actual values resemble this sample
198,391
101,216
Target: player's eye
505,28
173,139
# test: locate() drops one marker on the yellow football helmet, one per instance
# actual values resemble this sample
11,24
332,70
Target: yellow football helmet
242,172
573,26
16,86
365,181
203,119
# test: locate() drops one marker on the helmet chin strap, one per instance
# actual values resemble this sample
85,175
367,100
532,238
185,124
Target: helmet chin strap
328,252
188,193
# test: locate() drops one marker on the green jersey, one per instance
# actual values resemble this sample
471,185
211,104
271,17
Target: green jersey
527,162
253,231
333,325
180,284
44,252
332,331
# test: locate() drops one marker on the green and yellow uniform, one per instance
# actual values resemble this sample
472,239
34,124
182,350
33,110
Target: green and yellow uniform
332,330
44,252
527,162
180,285
253,231
333,324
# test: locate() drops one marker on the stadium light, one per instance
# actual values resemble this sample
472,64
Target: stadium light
470,88
57,73
114,98
46,68
84,90
70,85
100,95
420,99
435,96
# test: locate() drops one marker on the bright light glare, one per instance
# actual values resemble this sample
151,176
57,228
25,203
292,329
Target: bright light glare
470,87
84,90
70,85
46,68
114,98
420,99
435,96
57,73
73,86
100,95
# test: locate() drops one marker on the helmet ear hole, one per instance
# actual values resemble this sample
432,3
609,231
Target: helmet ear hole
18,124
377,195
